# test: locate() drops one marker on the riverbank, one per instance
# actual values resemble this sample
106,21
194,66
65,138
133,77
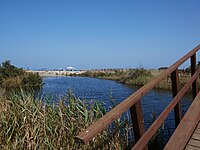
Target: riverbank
57,73
131,77
136,77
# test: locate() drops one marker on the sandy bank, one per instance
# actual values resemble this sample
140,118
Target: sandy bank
56,73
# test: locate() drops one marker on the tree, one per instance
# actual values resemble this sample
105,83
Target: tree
7,70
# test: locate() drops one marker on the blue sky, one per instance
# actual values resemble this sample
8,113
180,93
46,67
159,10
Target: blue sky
97,33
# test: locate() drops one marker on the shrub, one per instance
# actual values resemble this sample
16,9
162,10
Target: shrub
13,82
7,70
31,80
13,77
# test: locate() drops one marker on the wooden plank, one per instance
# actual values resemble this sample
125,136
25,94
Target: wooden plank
189,147
115,113
195,136
197,131
198,126
187,126
193,142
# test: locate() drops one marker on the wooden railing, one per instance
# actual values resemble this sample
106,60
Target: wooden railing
133,103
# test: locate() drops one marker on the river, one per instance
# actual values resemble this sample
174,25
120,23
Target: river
98,89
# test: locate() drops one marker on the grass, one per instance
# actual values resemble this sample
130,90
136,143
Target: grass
27,122
136,77
124,76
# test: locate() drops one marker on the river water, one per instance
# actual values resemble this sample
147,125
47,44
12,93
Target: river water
97,89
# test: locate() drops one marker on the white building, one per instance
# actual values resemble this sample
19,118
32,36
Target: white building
70,68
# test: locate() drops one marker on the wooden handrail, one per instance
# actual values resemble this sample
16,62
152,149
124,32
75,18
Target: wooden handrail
158,122
116,112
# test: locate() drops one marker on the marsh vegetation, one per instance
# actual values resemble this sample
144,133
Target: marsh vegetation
28,122
138,76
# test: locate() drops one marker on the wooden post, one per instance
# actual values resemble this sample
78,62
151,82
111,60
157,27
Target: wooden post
193,70
175,90
137,121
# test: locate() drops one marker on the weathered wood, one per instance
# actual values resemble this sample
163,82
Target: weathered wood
115,113
193,142
193,70
158,122
175,90
186,128
195,136
198,126
189,147
197,131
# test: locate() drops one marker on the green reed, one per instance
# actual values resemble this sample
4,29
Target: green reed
28,122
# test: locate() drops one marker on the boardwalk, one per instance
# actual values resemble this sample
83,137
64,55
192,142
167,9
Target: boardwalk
187,134
194,142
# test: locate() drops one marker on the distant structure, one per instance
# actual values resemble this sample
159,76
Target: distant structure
41,69
70,69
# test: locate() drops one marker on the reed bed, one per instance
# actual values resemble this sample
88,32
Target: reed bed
28,122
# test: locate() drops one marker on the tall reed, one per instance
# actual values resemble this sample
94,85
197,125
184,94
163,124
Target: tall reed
27,122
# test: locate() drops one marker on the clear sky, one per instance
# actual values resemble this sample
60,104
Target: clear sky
97,33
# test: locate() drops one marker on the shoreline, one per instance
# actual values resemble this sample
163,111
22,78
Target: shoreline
137,77
143,77
57,73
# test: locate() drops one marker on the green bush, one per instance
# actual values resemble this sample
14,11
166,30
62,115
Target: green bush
13,77
31,80
7,70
